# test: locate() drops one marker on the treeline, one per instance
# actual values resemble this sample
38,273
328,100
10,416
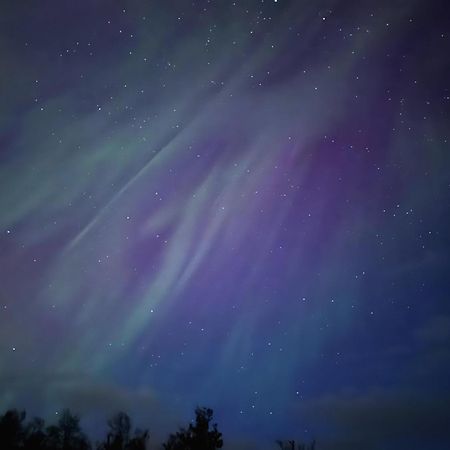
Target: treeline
16,433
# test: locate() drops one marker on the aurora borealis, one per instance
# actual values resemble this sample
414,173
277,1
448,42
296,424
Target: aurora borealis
238,204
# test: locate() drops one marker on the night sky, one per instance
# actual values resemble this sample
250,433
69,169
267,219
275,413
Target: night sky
237,204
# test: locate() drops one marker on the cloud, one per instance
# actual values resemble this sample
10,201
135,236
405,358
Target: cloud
93,399
381,419
435,331
432,359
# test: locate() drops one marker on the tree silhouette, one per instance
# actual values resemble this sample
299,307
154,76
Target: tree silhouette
138,442
11,429
118,437
198,436
290,445
35,436
67,434
119,432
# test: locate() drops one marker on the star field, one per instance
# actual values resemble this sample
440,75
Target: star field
242,204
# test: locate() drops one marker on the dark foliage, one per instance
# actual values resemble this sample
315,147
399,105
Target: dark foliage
118,437
290,445
199,436
66,434
11,429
